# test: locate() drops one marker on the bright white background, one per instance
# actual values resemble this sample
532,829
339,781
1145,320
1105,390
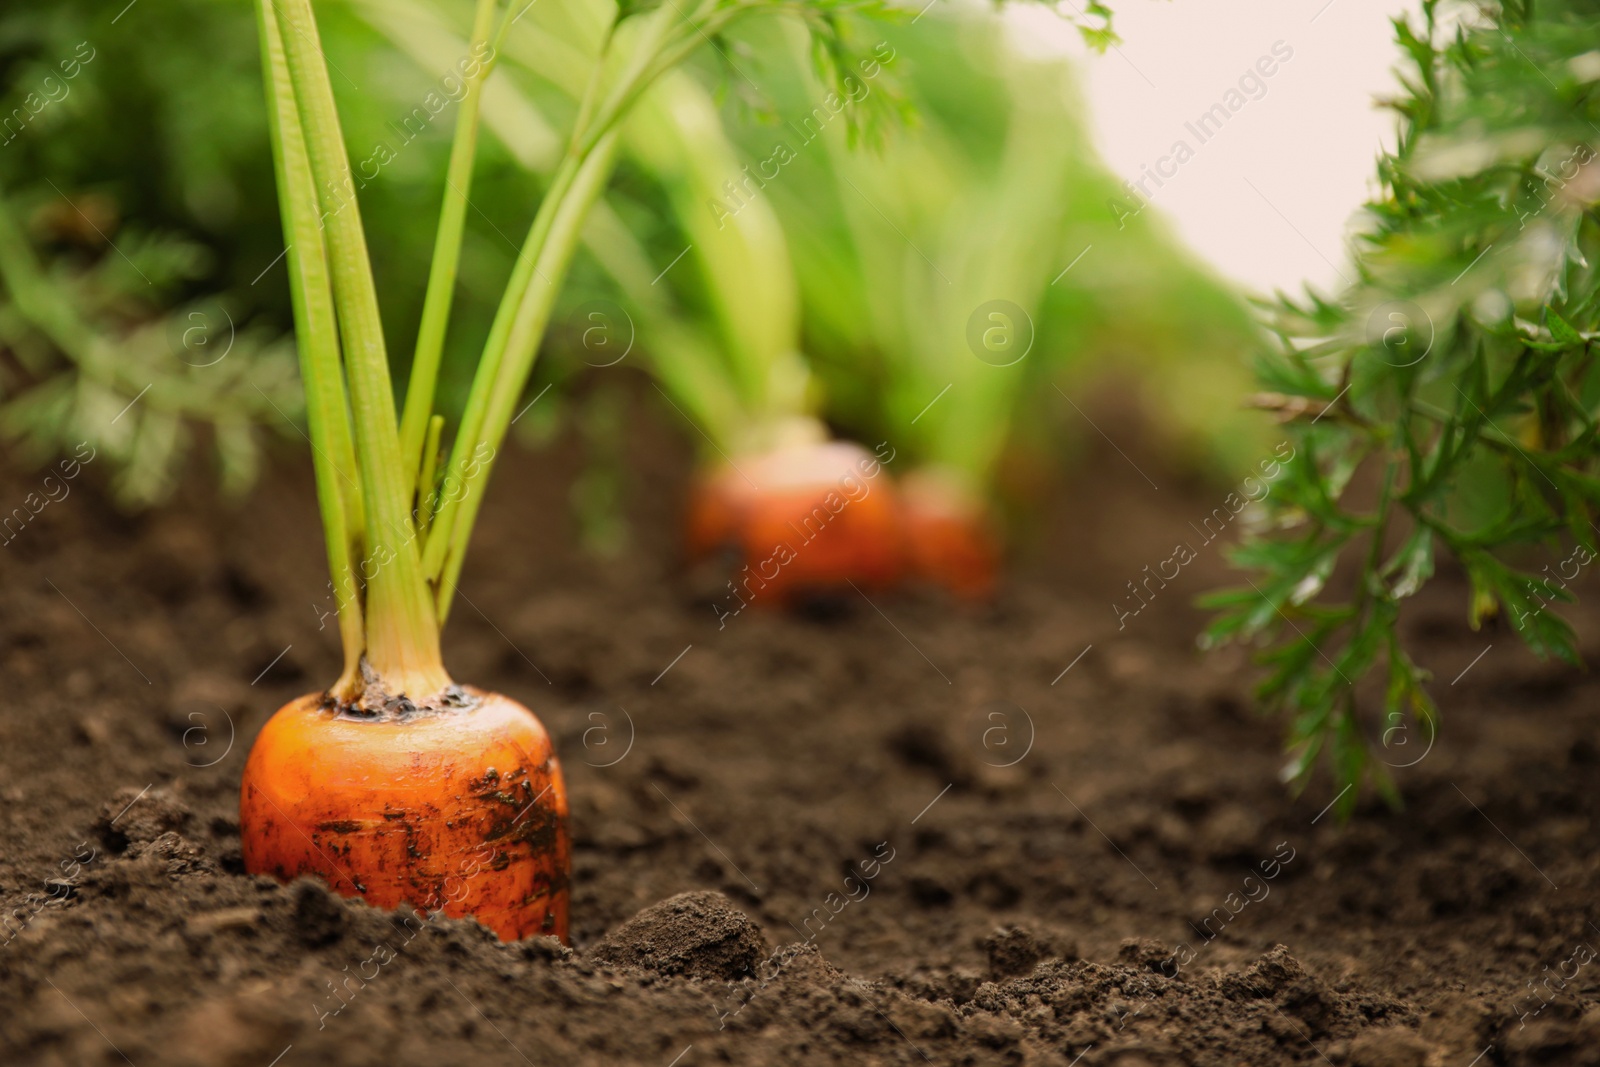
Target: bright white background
1308,146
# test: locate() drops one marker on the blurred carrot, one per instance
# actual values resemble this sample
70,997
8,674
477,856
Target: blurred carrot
804,517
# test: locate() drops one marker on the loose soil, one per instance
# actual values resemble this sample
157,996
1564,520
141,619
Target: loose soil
895,832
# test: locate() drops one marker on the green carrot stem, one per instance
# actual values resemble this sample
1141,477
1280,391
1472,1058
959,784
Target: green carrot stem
591,89
655,39
745,260
446,251
522,347
474,449
430,469
333,454
664,43
402,632
466,457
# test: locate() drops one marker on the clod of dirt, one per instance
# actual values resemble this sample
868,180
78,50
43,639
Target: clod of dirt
698,935
319,915
90,729
133,816
1264,978
545,950
1147,953
222,920
1134,1015
994,1031
1013,950
182,856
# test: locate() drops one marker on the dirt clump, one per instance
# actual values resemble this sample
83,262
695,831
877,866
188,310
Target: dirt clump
698,935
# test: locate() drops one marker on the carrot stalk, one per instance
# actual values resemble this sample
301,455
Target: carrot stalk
525,309
522,345
333,453
430,469
446,251
402,633
466,453
472,446
407,586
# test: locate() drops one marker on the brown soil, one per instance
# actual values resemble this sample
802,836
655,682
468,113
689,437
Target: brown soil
869,883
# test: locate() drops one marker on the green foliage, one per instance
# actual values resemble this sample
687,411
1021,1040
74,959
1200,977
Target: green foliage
180,82
93,357
1446,403
123,278
991,194
1095,26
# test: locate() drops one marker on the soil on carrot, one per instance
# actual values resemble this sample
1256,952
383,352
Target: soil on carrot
893,831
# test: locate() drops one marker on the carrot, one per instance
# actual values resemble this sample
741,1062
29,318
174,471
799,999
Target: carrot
806,517
397,784
950,536
454,809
